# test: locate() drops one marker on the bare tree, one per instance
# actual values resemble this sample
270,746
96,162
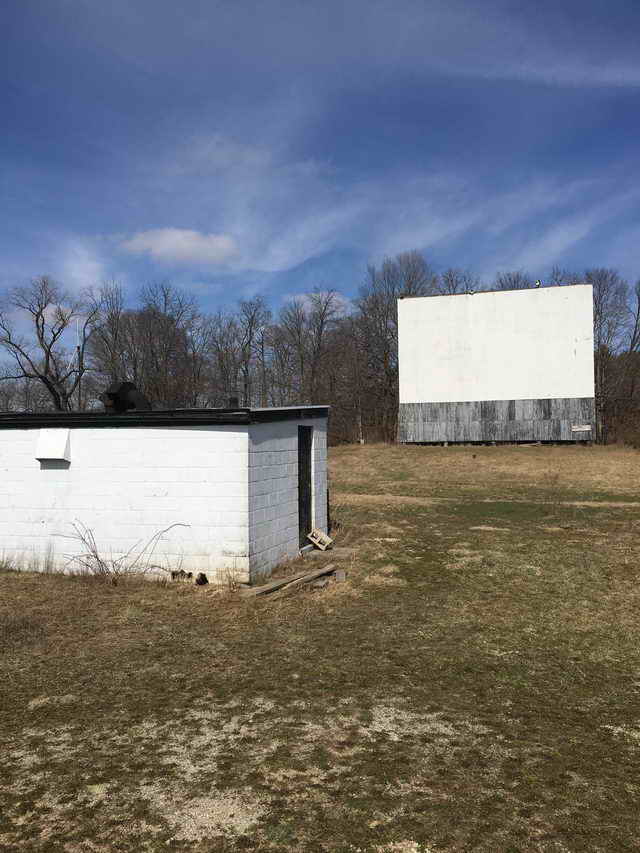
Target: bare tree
559,276
224,357
321,317
626,367
610,317
293,321
263,360
44,356
610,307
302,344
633,343
283,364
345,369
514,280
405,276
253,318
416,276
9,394
22,395
457,281
311,353
163,325
198,344
108,343
160,346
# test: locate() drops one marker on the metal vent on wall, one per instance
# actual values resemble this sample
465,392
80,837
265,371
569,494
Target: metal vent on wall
53,446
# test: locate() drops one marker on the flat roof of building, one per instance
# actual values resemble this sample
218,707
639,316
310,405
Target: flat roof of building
167,417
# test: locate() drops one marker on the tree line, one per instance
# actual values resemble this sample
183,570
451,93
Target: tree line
60,350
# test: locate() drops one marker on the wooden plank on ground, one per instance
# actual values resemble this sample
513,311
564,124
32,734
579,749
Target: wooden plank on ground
310,576
272,586
269,587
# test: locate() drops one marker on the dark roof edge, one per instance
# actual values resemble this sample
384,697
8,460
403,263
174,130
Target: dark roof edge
499,290
177,417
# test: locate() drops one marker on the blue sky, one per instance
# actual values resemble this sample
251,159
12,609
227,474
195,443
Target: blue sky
239,147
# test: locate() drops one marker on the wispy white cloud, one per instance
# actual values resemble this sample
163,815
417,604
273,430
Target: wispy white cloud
182,246
251,160
548,245
273,212
79,264
246,197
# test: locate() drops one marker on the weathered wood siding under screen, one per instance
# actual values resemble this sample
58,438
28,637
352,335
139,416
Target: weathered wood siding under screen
498,420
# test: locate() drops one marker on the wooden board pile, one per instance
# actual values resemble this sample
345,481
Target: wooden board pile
284,586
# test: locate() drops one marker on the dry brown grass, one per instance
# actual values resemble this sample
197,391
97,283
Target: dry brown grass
449,471
475,685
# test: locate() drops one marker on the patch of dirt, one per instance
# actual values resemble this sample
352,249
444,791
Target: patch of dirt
367,500
171,760
41,701
626,732
396,722
386,576
384,580
227,814
382,527
488,527
97,793
290,777
464,555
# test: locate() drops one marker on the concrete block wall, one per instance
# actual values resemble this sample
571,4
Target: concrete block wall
273,490
126,484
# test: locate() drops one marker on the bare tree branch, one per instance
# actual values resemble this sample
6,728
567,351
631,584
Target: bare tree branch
46,359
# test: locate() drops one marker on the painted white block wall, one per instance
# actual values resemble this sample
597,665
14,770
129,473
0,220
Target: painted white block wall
273,490
236,486
126,484
506,345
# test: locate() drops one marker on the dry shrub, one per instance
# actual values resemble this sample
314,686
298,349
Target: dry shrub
91,561
8,564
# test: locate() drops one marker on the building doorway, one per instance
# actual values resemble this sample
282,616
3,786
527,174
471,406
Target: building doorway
305,444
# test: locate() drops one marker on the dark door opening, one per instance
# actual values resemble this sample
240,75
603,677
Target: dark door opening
305,442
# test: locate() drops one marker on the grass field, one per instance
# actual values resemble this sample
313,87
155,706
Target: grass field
475,685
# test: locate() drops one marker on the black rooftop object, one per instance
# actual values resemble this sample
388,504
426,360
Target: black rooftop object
121,397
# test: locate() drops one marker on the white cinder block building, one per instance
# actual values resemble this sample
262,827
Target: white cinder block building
513,365
250,484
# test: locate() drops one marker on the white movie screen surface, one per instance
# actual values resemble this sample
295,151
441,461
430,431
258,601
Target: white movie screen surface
505,345
497,366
